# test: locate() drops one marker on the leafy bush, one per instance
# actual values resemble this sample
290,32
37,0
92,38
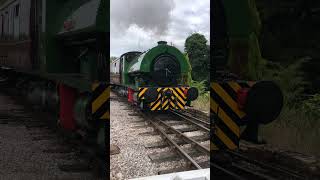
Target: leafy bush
289,79
311,106
201,86
297,127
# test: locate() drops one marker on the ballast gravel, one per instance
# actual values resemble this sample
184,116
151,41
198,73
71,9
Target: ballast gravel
22,157
133,160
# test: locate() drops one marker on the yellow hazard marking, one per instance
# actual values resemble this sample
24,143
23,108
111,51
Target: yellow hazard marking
227,99
106,115
235,86
225,139
165,103
226,119
176,95
156,106
103,97
213,147
159,96
181,107
181,93
142,92
94,86
172,104
213,108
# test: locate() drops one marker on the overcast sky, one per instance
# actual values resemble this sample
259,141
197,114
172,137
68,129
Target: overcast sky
137,25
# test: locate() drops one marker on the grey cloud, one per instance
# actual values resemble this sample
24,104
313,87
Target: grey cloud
140,25
148,14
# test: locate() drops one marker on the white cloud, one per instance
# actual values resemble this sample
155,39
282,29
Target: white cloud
138,26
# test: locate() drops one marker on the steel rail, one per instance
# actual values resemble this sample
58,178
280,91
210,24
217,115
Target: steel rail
266,166
186,113
250,174
215,166
175,145
184,154
192,121
186,138
234,171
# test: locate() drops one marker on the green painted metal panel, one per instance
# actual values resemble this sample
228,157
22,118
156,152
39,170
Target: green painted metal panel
57,12
57,64
242,18
238,18
103,20
125,78
244,26
144,62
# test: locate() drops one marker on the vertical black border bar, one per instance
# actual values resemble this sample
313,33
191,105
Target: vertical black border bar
218,44
104,44
107,125
218,37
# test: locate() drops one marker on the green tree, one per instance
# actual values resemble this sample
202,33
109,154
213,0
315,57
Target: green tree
198,52
112,58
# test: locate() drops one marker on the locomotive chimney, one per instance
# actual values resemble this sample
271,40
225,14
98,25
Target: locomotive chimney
162,42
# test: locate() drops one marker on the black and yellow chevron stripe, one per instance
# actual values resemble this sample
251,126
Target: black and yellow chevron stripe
141,93
100,101
156,105
176,101
226,114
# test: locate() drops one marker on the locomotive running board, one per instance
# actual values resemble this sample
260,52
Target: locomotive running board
226,117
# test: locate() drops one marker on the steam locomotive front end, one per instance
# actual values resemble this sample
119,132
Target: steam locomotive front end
161,77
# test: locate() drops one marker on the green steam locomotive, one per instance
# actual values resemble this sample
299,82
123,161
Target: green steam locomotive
156,80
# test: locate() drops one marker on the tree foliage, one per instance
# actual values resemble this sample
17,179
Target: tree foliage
112,58
289,78
198,52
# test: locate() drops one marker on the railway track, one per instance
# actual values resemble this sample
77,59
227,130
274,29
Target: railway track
49,152
234,166
267,171
161,126
224,164
194,150
201,123
244,163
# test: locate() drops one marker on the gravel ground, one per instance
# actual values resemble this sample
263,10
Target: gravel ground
133,160
23,158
